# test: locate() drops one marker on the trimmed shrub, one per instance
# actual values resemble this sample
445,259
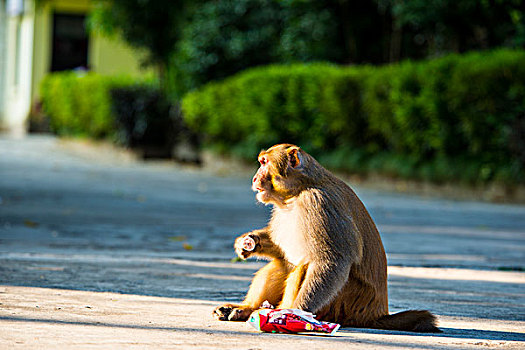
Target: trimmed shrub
147,121
489,107
130,112
142,116
456,117
79,104
304,104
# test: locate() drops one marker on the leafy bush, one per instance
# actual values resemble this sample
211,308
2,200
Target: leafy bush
132,113
489,106
406,106
142,115
305,104
146,120
80,104
456,117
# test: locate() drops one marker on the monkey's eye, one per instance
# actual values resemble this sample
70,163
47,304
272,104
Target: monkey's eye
262,160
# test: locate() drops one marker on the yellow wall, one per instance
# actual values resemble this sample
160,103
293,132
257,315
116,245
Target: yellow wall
107,56
41,47
114,56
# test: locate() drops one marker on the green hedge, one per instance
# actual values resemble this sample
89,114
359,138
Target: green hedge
459,117
80,104
317,105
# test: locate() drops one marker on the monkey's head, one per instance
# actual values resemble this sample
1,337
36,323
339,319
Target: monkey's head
284,171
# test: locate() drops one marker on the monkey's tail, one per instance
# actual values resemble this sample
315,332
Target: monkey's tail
413,321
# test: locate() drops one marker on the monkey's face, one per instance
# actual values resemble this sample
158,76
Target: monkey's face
262,181
274,181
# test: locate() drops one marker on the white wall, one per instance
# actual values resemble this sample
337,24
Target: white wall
18,69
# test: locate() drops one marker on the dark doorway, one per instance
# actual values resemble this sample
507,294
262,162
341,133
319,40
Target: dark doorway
70,42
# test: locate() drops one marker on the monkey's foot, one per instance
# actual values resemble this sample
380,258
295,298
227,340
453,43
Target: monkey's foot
229,312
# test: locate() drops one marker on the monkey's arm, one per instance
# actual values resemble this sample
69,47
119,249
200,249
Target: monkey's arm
322,282
334,244
264,246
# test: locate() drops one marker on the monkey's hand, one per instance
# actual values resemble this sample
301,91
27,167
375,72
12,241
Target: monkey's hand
247,244
257,243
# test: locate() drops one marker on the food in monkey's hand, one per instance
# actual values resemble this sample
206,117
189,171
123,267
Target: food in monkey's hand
248,243
289,321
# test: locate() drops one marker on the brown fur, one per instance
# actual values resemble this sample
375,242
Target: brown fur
326,253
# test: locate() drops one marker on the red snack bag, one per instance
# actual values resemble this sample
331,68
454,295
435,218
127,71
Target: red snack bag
289,321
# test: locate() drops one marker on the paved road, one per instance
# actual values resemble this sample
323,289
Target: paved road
83,217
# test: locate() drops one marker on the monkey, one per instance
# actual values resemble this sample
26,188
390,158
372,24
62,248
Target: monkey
324,250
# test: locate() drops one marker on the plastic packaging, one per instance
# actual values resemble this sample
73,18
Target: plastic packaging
289,321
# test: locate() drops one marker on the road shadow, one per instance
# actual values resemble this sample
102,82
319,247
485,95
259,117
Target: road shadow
344,336
480,334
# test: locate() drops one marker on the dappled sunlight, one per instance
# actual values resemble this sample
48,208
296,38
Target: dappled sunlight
454,230
457,274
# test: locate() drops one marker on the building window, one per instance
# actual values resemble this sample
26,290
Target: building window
70,42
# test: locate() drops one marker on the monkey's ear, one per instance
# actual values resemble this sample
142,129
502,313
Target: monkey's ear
294,158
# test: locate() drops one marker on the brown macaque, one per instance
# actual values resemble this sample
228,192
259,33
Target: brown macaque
325,252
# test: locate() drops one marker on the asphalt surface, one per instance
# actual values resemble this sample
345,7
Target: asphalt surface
75,216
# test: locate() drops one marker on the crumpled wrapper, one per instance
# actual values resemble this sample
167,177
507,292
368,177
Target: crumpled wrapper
289,321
